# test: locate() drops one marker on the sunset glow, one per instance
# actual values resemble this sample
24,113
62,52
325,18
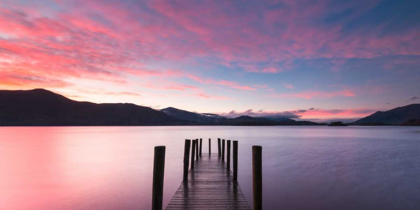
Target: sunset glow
303,59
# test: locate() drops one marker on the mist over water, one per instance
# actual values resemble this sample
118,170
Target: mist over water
80,168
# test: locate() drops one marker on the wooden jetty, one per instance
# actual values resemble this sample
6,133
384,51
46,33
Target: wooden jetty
209,184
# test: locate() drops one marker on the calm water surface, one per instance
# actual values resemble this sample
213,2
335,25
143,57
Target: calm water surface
79,168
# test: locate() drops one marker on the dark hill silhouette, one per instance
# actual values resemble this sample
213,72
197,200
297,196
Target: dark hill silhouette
45,108
247,120
213,119
337,123
210,119
413,122
41,107
280,119
395,116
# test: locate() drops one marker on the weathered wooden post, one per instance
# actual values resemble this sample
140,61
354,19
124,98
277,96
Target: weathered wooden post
201,145
223,149
228,155
186,158
158,177
218,146
235,160
210,146
192,154
196,149
257,176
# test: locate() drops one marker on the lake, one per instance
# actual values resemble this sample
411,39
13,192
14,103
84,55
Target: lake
80,168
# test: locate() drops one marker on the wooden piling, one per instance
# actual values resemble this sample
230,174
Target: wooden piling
218,146
192,154
201,146
209,146
196,149
228,155
257,176
158,177
223,149
186,158
235,160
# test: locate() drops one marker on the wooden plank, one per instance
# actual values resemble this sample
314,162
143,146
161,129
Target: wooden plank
209,186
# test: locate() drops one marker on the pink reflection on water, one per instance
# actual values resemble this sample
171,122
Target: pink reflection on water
73,168
27,158
81,168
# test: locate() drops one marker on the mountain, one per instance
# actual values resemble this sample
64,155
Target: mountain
337,123
206,118
281,119
41,107
213,119
247,120
415,122
395,116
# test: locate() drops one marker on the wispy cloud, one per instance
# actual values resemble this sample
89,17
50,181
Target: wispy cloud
262,113
315,94
231,84
268,70
261,86
171,86
203,95
305,114
124,44
289,86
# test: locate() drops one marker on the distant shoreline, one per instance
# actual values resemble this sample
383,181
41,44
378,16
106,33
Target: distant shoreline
40,107
204,125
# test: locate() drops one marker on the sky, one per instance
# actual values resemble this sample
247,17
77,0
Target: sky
311,60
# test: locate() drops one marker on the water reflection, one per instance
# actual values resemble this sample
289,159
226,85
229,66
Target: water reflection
107,168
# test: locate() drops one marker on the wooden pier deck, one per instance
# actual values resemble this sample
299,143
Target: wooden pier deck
210,185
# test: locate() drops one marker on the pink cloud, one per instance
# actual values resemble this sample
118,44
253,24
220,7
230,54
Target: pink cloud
81,44
187,91
228,36
108,93
289,86
261,86
270,70
117,43
337,113
206,96
181,87
315,94
171,86
307,39
17,81
231,84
